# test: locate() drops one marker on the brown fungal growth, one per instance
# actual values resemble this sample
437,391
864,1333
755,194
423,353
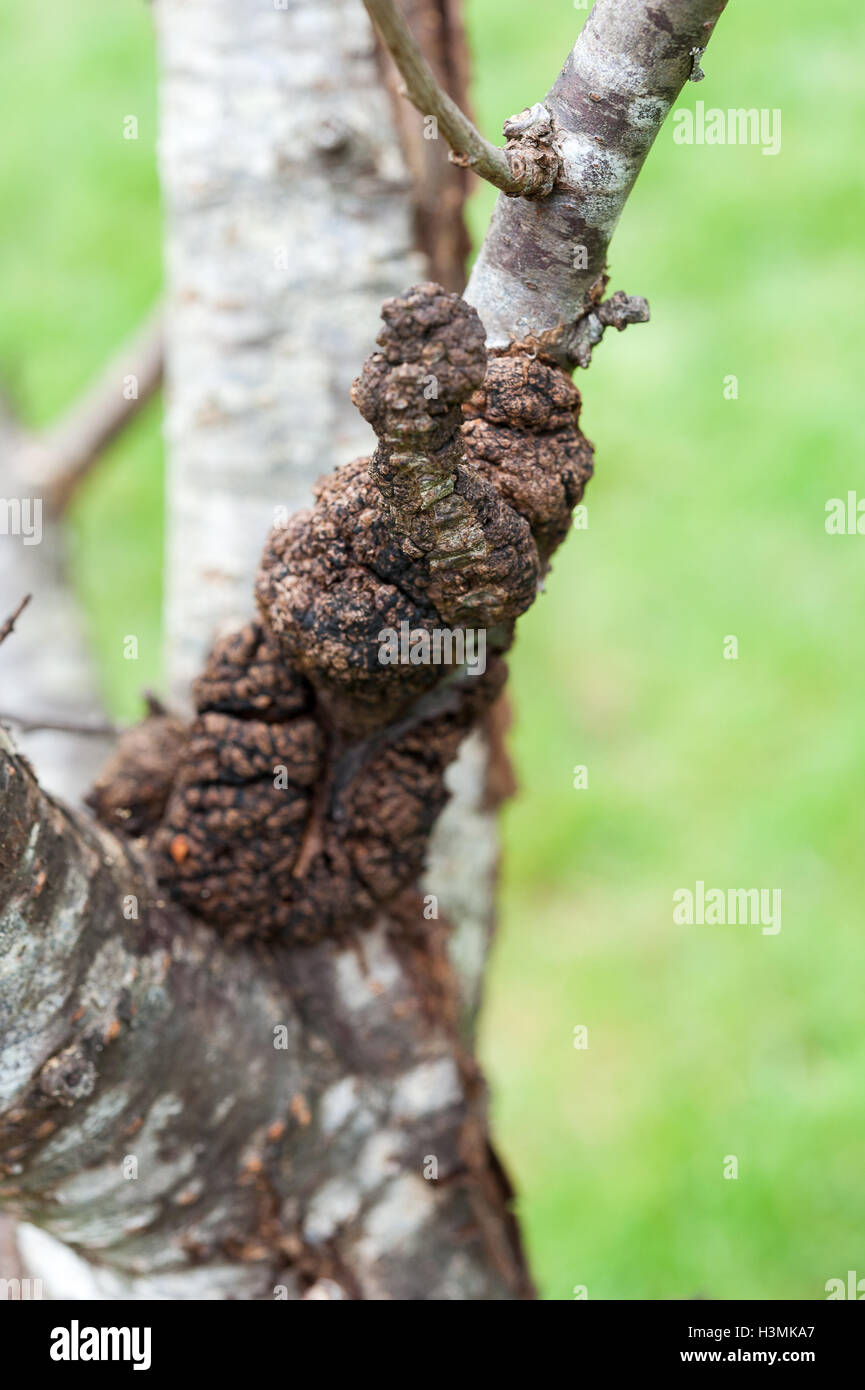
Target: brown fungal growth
130,793
245,818
419,537
522,433
308,785
329,584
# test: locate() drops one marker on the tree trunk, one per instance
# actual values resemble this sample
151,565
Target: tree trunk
290,216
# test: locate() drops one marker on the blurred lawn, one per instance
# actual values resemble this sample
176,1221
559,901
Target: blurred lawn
706,518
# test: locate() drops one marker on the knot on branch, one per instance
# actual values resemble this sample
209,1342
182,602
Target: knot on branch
68,1077
616,312
532,152
431,357
522,434
271,829
417,537
308,785
246,676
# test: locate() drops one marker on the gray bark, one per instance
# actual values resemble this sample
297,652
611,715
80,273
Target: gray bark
540,260
289,220
199,1122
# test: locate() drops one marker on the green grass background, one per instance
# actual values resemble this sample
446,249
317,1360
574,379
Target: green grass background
706,519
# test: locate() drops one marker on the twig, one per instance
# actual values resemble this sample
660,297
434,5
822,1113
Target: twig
9,625
528,165
30,726
57,461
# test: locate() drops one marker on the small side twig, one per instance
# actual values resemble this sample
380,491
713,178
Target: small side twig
528,165
9,625
59,726
616,312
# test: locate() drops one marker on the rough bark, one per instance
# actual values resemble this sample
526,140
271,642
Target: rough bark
199,1122
299,193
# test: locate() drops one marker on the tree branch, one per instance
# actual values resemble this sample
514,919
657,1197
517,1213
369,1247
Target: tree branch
541,267
95,729
55,462
439,187
9,624
49,659
526,167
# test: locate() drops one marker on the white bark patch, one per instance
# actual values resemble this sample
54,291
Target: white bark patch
363,984
338,1104
647,113
600,176
94,1124
606,66
325,1289
223,1110
112,970
35,981
98,1230
65,1275
464,880
407,1205
380,1159
115,1205
428,1088
333,1206
460,1282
